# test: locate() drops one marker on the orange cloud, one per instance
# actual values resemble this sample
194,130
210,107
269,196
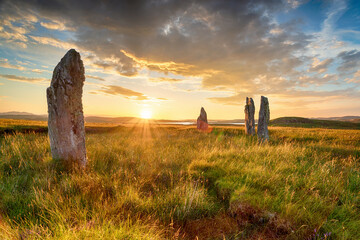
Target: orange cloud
95,77
165,79
23,79
53,42
5,64
38,70
56,25
166,67
320,66
127,93
117,90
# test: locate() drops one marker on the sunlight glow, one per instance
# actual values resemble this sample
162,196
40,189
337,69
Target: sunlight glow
146,114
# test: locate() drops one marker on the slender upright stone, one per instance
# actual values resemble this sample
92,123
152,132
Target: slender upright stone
202,122
249,117
264,117
66,119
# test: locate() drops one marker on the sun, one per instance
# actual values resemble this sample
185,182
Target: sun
146,114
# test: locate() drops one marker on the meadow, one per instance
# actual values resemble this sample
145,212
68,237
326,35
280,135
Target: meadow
148,181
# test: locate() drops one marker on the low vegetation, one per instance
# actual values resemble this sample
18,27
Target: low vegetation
314,123
165,182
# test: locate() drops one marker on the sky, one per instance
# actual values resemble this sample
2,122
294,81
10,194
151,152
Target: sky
169,58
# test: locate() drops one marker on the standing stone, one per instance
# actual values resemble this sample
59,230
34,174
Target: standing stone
202,122
66,119
249,117
264,117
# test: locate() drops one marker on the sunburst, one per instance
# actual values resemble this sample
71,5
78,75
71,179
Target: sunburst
146,114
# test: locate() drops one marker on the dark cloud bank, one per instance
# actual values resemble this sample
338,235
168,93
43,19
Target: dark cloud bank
232,45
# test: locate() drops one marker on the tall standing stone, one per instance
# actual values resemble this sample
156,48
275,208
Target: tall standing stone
202,122
264,117
249,117
66,119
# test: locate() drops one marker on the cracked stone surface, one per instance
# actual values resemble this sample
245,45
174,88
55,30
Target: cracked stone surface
202,122
264,117
66,119
249,117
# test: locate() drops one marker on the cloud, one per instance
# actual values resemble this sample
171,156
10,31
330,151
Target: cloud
355,78
165,67
15,23
328,41
306,81
117,90
23,79
294,3
290,96
13,36
276,31
236,99
320,66
5,64
53,42
165,79
16,38
125,92
208,39
350,60
341,93
121,64
37,70
56,25
234,46
301,103
95,77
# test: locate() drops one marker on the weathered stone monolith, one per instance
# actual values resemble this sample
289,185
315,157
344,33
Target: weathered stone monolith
202,122
264,117
249,117
66,119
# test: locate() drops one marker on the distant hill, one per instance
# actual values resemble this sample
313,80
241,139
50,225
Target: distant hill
115,120
23,116
355,120
346,122
16,113
314,123
344,118
90,119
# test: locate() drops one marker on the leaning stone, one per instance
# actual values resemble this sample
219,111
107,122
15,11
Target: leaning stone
249,117
66,119
264,117
202,122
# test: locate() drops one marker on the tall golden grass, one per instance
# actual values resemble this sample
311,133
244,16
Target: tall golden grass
147,181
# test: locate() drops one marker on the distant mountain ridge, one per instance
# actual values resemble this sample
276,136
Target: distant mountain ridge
119,120
115,120
16,113
23,116
44,117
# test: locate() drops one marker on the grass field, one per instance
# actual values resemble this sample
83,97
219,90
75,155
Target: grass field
314,123
171,182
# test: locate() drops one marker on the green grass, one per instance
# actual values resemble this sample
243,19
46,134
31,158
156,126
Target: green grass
161,182
314,123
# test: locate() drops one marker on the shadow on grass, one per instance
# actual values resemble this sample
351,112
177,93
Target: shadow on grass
41,129
23,129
